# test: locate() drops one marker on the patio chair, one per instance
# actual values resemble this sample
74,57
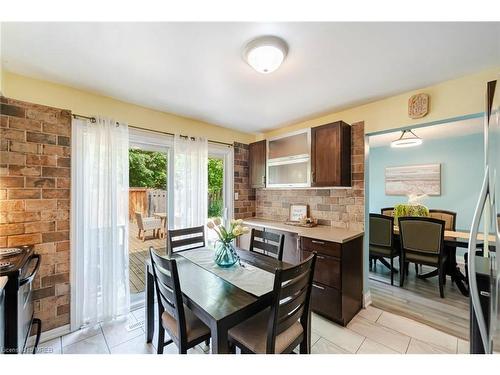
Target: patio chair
147,223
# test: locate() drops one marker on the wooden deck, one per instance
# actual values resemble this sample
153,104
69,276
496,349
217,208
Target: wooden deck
138,252
419,300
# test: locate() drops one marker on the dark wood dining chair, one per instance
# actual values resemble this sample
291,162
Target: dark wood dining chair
267,243
186,239
183,327
286,324
387,211
381,241
422,242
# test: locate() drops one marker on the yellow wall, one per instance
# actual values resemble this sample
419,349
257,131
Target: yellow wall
454,98
458,97
85,103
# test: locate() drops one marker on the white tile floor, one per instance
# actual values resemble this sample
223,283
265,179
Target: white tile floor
372,331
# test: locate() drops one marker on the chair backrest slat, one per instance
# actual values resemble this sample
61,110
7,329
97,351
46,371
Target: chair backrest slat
292,295
294,286
269,243
290,319
186,238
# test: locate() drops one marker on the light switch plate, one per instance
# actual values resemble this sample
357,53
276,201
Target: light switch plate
236,195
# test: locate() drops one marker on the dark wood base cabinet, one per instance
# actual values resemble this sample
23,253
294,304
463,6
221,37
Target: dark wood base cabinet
337,292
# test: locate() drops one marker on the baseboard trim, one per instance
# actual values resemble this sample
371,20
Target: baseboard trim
49,335
367,299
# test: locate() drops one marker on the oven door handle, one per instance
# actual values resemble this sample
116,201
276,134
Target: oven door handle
30,278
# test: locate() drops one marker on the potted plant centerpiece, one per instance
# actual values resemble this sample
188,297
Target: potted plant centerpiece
412,208
225,253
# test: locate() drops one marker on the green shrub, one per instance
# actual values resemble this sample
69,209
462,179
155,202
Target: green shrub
215,208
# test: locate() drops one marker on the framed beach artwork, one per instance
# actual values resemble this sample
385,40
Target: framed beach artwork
413,179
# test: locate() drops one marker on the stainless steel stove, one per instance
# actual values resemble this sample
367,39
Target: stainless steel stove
20,266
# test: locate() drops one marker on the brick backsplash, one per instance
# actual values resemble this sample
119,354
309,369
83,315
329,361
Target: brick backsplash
245,205
35,160
340,207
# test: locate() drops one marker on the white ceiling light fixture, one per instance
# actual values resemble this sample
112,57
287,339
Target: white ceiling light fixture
407,139
265,54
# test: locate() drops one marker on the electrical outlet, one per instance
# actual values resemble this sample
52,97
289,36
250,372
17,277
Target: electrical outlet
236,196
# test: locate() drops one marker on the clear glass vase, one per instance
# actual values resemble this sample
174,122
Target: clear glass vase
225,254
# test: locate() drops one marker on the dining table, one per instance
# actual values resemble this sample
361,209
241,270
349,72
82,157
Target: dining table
452,240
217,302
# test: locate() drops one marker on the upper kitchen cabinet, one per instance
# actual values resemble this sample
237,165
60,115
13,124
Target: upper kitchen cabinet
257,164
331,155
288,160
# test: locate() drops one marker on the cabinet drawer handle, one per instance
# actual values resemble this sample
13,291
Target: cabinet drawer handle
319,287
318,242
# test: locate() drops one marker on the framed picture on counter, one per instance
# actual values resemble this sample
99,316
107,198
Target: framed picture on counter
298,212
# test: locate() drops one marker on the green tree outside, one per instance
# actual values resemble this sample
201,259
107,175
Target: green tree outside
148,169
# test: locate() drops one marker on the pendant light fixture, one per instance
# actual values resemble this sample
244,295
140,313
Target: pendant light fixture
265,54
408,139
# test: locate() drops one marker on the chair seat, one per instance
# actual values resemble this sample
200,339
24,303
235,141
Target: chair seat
195,328
151,223
426,259
252,333
383,251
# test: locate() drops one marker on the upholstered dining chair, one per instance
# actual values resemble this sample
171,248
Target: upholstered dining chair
286,324
186,239
387,211
381,242
267,243
183,327
422,242
449,218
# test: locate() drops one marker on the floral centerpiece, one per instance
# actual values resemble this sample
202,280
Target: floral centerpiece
225,254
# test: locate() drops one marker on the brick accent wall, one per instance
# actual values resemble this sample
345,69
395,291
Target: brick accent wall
339,207
245,205
35,158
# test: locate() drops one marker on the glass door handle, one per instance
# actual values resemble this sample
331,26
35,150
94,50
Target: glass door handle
473,289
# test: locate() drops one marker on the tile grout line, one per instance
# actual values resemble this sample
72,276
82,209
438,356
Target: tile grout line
104,337
357,350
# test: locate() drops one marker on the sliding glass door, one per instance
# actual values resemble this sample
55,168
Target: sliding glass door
148,205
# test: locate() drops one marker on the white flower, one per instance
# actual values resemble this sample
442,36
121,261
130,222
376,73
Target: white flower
239,221
210,224
238,230
217,221
246,230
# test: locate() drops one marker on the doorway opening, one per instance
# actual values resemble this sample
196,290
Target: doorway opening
443,174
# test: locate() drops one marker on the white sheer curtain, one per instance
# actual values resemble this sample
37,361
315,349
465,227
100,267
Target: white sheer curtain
190,181
100,221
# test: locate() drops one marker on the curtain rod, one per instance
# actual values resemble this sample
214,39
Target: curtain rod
93,120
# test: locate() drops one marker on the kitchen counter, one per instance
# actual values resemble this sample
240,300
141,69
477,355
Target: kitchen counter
320,232
3,282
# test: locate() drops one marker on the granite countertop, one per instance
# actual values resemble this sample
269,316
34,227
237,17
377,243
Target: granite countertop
3,282
320,232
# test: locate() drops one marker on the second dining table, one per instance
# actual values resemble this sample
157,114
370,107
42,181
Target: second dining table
217,302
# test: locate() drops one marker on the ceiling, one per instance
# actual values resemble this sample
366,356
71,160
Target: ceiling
196,69
446,130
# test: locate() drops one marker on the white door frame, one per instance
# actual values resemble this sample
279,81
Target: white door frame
226,153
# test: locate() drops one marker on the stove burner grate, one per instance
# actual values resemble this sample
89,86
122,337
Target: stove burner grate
9,251
5,265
